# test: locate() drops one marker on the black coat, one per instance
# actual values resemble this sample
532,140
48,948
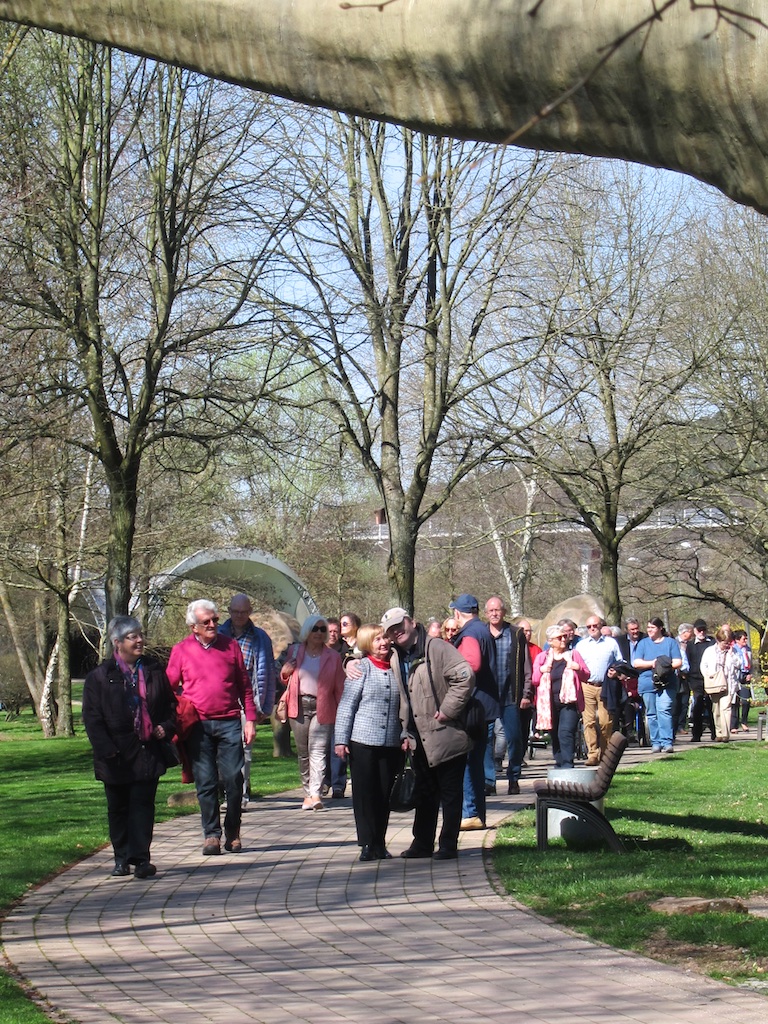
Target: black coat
119,756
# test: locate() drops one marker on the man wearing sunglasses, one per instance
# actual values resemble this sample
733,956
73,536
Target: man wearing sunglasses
208,668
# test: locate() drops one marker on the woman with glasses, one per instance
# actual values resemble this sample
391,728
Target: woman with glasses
128,711
449,629
558,674
314,677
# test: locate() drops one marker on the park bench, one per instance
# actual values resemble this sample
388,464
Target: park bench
576,798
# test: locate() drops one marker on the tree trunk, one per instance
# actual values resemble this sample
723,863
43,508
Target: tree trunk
609,577
122,527
668,95
401,564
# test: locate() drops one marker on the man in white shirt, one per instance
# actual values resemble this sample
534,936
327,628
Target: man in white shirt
599,653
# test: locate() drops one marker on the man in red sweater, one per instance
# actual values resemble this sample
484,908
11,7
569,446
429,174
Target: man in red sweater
208,668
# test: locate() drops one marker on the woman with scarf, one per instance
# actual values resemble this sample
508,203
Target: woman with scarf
558,673
129,714
314,679
721,668
368,731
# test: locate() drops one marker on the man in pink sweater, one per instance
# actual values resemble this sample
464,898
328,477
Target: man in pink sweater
208,668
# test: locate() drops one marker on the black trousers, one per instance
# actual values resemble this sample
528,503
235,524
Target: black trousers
373,771
701,707
131,817
436,788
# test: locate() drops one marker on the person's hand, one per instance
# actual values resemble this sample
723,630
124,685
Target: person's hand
342,750
353,669
249,731
405,746
525,703
287,671
158,732
440,717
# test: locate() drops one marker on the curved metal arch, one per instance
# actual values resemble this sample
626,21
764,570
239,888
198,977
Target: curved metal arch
246,569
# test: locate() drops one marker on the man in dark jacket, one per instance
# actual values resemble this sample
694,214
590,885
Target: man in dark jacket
513,672
129,710
701,705
475,643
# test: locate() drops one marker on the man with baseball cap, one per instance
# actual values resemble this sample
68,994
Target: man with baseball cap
475,643
435,683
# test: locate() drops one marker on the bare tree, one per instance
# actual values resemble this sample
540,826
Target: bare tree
624,355
398,325
133,245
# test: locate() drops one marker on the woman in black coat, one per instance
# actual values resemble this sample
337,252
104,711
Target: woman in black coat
129,713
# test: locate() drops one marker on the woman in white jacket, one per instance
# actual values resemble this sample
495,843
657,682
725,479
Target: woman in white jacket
721,668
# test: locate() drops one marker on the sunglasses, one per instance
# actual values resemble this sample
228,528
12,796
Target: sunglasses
319,629
208,622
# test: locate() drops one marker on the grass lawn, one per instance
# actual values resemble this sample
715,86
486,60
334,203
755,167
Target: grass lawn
53,813
695,825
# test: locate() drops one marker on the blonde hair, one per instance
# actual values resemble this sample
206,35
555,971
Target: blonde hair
366,635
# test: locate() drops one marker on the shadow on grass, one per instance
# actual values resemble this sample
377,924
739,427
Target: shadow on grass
697,822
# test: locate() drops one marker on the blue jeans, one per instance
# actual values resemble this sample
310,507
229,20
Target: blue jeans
513,733
659,709
565,722
474,780
216,749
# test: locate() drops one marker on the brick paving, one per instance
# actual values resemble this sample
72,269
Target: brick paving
296,929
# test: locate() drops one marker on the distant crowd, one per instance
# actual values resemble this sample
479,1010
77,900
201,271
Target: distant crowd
429,713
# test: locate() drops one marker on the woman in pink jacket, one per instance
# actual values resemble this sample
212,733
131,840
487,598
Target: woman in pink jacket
557,677
315,681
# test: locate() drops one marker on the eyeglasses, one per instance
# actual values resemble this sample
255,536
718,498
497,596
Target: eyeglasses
563,636
319,629
527,632
594,625
132,636
345,623
208,622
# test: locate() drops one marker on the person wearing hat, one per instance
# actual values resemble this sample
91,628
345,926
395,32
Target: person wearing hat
129,710
475,643
435,684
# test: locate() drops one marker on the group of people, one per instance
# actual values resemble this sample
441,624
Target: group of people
366,697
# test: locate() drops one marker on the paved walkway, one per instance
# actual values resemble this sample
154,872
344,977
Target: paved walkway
296,929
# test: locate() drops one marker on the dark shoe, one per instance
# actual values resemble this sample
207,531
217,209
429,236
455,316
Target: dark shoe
513,788
233,845
120,870
338,794
368,853
382,852
490,790
145,870
416,852
445,855
211,847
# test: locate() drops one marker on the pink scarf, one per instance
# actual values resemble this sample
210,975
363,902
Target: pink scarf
568,692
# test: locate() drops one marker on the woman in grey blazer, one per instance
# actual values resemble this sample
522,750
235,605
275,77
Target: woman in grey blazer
368,731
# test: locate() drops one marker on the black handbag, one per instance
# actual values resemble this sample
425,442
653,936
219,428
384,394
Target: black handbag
402,796
169,753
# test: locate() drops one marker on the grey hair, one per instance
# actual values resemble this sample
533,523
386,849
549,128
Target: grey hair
685,627
556,630
307,624
203,605
120,626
